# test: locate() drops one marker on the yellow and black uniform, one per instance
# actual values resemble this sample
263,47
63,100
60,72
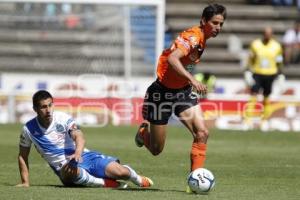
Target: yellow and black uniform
264,62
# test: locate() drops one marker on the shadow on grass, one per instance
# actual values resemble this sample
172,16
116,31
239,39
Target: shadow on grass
39,185
129,189
157,190
148,190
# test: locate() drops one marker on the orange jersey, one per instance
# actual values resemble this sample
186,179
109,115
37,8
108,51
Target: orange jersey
192,43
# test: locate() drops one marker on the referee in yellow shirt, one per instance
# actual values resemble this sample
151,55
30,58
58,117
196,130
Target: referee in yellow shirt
264,65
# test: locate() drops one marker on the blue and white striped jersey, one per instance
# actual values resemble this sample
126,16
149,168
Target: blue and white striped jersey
55,143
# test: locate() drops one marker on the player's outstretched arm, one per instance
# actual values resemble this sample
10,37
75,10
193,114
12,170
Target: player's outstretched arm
23,166
78,137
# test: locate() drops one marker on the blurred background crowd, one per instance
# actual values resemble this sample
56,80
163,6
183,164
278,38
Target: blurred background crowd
56,42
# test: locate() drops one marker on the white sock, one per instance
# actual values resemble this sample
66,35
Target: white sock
134,177
84,178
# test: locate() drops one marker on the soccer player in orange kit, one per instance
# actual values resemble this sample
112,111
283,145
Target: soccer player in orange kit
175,87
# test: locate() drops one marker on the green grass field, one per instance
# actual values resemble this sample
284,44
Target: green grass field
247,166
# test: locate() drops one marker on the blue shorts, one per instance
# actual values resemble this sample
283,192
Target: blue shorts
94,163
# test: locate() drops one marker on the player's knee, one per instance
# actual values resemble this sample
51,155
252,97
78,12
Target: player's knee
122,173
68,174
156,150
202,135
116,171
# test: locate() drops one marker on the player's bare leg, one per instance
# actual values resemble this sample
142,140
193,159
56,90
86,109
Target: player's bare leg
192,118
72,176
153,137
267,108
143,132
157,138
117,171
267,111
250,111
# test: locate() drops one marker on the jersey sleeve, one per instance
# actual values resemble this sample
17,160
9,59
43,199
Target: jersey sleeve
71,125
25,141
185,41
252,47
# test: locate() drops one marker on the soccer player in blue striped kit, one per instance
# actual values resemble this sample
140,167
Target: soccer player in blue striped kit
59,140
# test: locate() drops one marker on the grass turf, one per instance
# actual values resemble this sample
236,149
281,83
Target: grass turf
247,166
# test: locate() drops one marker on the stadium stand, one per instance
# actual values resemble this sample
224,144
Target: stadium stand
28,46
37,42
244,23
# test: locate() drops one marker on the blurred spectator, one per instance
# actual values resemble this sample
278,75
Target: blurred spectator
72,21
89,16
258,1
24,9
283,2
207,79
265,61
276,2
66,8
27,8
50,10
291,43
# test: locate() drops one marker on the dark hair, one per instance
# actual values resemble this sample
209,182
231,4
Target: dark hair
40,95
212,10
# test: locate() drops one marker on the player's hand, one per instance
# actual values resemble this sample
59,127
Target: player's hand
23,185
199,87
281,78
248,76
76,157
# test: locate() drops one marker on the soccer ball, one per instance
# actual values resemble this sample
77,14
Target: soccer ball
201,180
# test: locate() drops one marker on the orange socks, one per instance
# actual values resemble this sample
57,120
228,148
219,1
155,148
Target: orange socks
198,155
